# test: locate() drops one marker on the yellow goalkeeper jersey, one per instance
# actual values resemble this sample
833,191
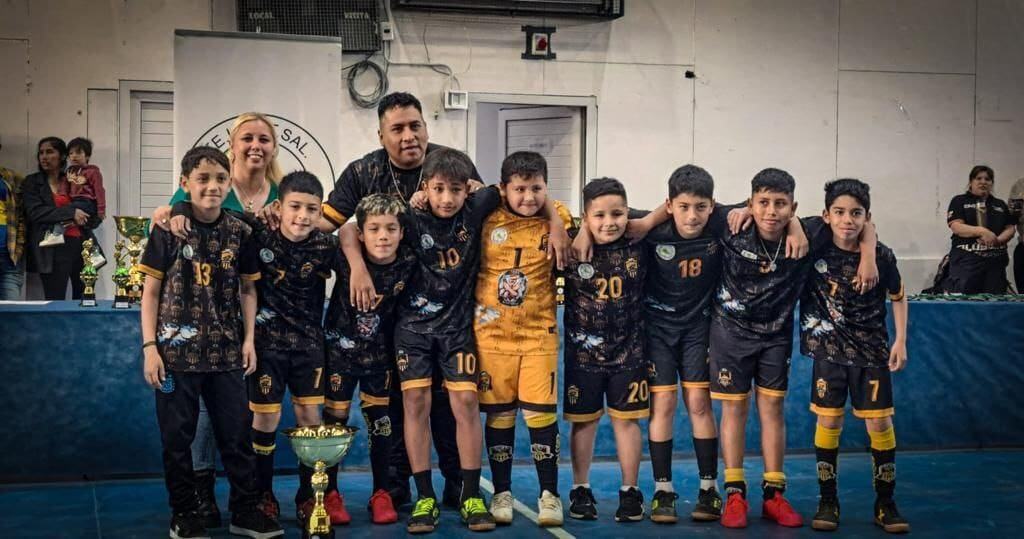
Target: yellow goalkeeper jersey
515,288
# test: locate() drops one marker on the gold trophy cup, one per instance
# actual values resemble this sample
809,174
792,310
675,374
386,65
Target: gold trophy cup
88,275
319,448
127,277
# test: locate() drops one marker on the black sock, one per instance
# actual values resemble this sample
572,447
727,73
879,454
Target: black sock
768,490
305,490
332,471
263,444
661,460
378,428
883,465
545,445
424,484
707,457
828,471
500,448
470,484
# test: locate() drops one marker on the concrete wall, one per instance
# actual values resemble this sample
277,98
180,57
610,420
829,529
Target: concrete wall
907,94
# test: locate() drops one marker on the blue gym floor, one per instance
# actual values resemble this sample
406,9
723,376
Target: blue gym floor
942,494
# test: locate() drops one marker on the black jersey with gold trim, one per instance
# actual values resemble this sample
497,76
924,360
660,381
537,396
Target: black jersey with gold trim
837,322
441,297
199,321
361,342
684,273
603,308
293,288
990,213
759,285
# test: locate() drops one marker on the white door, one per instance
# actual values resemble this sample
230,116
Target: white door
557,134
152,175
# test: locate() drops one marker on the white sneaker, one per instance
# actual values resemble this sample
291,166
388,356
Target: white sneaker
501,507
52,237
549,509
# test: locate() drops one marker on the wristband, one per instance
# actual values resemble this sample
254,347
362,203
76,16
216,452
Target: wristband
147,344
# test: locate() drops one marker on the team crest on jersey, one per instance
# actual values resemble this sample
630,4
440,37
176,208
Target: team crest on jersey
462,235
500,453
821,386
426,241
724,378
402,361
886,472
826,471
485,382
306,270
544,242
266,255
335,382
266,383
821,266
632,266
541,452
585,271
399,286
512,288
187,251
499,235
665,252
573,393
227,258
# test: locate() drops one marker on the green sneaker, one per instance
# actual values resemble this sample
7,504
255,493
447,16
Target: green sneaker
424,516
476,516
663,507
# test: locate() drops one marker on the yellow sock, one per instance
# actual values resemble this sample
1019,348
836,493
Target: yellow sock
775,479
827,438
734,475
883,441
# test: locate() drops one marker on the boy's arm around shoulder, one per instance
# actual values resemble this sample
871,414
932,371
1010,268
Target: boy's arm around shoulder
362,292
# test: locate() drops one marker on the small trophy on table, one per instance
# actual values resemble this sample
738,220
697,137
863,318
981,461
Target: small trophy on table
88,275
127,277
319,448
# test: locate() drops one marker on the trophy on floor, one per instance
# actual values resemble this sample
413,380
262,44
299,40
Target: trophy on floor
319,448
127,277
88,275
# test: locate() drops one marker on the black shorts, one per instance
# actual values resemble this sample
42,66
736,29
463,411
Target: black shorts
301,371
737,362
870,390
374,389
677,356
627,393
417,357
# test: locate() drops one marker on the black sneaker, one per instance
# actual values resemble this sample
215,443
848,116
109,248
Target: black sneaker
254,523
631,506
208,510
582,504
663,507
888,517
400,493
709,506
188,525
424,516
451,497
827,517
476,516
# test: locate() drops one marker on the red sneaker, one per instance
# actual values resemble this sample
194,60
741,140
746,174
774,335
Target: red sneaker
382,511
735,514
779,510
335,506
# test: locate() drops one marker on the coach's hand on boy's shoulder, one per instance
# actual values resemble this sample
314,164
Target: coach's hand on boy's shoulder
153,367
898,356
271,215
162,218
181,226
474,185
249,356
362,293
418,200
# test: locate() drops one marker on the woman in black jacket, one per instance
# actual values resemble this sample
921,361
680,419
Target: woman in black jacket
47,203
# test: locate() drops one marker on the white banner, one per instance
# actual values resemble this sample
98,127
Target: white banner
294,80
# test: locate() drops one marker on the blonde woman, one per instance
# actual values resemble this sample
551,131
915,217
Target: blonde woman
252,152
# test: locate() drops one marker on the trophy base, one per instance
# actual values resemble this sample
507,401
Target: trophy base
324,535
91,302
120,303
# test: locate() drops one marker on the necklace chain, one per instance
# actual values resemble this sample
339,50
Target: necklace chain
251,199
771,259
398,187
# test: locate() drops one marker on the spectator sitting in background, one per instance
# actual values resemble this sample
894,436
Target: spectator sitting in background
982,227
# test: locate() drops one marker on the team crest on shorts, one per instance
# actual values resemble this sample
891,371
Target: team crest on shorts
266,255
821,386
512,288
167,386
426,241
821,266
366,326
724,378
335,382
585,270
266,383
499,235
187,251
632,265
574,394
665,252
485,382
402,361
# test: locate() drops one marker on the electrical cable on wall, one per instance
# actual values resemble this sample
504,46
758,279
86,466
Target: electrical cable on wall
367,100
